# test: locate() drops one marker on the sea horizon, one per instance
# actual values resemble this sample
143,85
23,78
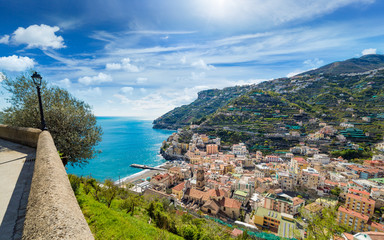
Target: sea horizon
125,140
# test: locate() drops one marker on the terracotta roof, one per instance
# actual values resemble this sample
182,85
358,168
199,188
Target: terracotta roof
213,193
176,169
348,236
351,190
194,193
354,214
231,203
359,198
375,235
260,190
161,176
212,205
297,201
236,232
300,160
378,226
179,187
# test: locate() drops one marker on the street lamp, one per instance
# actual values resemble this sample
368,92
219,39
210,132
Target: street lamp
37,81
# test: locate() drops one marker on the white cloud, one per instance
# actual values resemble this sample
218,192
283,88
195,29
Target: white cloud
100,78
36,36
201,64
2,77
314,63
90,92
127,90
125,65
291,74
143,90
122,98
183,60
128,66
369,51
113,66
16,63
64,83
4,39
141,80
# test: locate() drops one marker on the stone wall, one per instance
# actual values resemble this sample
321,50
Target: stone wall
52,211
24,136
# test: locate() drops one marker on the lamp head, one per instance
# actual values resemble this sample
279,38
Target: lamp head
36,79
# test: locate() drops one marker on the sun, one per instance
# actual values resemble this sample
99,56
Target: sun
219,9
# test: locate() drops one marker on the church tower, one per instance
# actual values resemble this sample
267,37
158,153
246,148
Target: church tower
200,179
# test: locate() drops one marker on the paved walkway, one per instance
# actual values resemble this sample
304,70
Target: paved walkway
16,171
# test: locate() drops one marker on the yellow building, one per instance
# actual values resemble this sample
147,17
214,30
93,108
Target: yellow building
298,164
282,224
178,190
360,204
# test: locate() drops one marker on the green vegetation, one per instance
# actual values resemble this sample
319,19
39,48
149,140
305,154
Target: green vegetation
323,226
129,216
272,110
208,102
351,154
69,120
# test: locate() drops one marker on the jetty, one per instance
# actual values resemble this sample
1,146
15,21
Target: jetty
147,167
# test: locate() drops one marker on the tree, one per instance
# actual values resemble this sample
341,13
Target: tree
336,191
69,120
323,226
109,191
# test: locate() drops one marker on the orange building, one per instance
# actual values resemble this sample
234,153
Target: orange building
212,149
360,204
359,222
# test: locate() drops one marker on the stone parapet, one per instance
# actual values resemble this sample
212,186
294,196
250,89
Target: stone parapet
52,210
21,135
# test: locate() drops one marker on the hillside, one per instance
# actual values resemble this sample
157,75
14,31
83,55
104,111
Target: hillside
286,109
338,73
207,102
354,65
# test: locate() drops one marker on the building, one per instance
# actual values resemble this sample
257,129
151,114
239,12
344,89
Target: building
212,149
286,181
178,190
282,224
200,183
360,204
359,222
310,178
162,181
297,164
312,209
283,203
239,149
353,219
272,158
320,158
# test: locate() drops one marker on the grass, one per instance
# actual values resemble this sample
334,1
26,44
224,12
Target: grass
112,223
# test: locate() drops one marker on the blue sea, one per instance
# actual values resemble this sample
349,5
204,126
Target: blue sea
124,141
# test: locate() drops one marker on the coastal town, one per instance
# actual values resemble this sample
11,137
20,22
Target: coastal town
277,193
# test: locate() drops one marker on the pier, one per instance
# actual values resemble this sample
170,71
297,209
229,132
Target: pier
147,167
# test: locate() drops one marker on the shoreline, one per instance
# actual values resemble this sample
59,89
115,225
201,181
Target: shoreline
144,174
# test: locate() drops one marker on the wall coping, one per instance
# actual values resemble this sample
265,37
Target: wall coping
22,135
52,210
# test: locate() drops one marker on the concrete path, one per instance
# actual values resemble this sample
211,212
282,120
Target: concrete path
16,171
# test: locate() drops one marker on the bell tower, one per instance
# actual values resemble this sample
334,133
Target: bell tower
200,183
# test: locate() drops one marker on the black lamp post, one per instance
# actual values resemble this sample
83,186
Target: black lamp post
37,81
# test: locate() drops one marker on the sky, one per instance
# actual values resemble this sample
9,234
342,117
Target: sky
142,58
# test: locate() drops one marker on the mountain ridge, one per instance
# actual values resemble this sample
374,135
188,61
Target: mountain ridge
333,85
